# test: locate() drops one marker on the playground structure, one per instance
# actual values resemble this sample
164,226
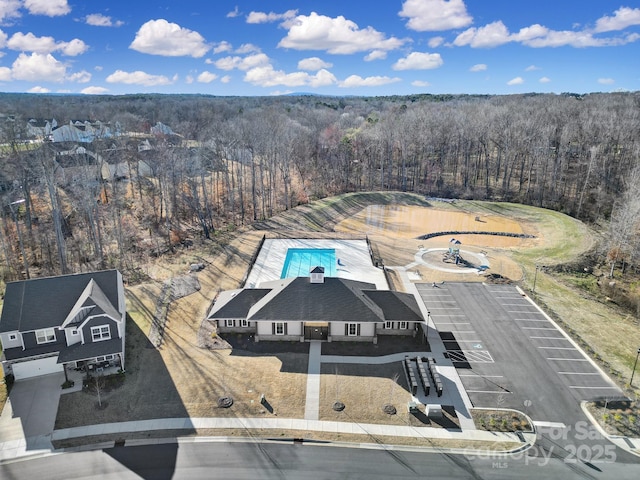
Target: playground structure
452,255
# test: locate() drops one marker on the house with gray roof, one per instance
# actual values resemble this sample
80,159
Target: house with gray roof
70,321
316,308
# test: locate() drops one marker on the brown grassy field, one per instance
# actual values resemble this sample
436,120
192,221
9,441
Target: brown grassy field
180,379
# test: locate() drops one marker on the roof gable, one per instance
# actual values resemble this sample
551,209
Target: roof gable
336,299
396,305
47,302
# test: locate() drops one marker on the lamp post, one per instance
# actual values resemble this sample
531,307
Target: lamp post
15,219
535,278
634,367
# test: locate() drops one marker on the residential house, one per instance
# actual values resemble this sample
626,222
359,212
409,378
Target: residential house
316,308
73,321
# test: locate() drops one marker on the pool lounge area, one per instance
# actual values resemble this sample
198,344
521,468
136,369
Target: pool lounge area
286,258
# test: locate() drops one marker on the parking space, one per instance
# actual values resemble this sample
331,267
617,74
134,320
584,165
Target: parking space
509,354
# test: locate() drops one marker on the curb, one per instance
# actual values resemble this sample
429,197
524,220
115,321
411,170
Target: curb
618,440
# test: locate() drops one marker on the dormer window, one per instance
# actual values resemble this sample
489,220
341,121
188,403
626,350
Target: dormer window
100,333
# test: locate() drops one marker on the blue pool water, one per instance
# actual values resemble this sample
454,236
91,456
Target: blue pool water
300,261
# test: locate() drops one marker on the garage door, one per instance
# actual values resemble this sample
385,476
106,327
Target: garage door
33,368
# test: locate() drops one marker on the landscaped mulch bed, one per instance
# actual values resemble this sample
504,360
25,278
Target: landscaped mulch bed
386,345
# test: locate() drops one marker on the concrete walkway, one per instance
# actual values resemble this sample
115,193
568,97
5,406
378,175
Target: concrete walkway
312,404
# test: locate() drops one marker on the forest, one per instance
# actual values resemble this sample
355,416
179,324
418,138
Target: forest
162,170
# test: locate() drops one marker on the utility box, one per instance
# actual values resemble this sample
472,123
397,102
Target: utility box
433,411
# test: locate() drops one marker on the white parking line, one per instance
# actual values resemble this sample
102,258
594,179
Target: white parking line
521,311
530,320
607,387
558,348
549,424
550,338
578,373
487,391
538,328
569,359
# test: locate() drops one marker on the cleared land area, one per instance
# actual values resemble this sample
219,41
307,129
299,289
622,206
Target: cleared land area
180,378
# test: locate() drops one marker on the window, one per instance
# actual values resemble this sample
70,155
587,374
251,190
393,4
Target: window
388,325
353,329
404,325
46,335
74,331
100,333
229,323
13,336
244,323
279,328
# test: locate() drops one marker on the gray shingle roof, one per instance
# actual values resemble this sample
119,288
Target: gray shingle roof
396,305
336,299
238,306
45,302
79,351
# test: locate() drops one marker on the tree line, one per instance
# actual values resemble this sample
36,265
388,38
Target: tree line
232,161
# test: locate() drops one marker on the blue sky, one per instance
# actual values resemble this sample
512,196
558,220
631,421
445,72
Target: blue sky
354,47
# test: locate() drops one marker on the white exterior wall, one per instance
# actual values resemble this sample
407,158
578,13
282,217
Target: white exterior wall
367,332
6,343
264,330
72,339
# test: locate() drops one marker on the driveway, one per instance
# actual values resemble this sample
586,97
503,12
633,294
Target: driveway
29,415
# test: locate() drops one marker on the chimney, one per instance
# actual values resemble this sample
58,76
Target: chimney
317,275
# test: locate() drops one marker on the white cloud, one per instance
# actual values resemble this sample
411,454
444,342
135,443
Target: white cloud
9,9
606,81
531,68
544,80
242,63
375,55
435,15
5,74
189,79
358,81
313,64
478,67
537,36
335,35
50,8
222,47
490,35
99,20
234,13
30,43
94,90
207,77
435,42
622,18
420,83
225,79
38,67
261,17
247,48
80,77
38,89
419,61
267,76
138,78
159,37
516,81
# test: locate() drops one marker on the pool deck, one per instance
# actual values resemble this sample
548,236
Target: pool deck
353,255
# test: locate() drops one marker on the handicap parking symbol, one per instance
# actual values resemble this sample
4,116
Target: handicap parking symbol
477,345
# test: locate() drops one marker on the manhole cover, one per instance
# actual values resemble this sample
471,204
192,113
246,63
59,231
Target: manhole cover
225,402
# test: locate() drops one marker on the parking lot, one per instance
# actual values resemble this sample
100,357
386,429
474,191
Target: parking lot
510,355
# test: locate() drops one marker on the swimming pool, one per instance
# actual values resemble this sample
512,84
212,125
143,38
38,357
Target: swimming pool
299,261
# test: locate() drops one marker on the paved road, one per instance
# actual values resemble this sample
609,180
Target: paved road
510,355
277,461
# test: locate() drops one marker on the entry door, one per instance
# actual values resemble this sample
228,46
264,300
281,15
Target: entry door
316,333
